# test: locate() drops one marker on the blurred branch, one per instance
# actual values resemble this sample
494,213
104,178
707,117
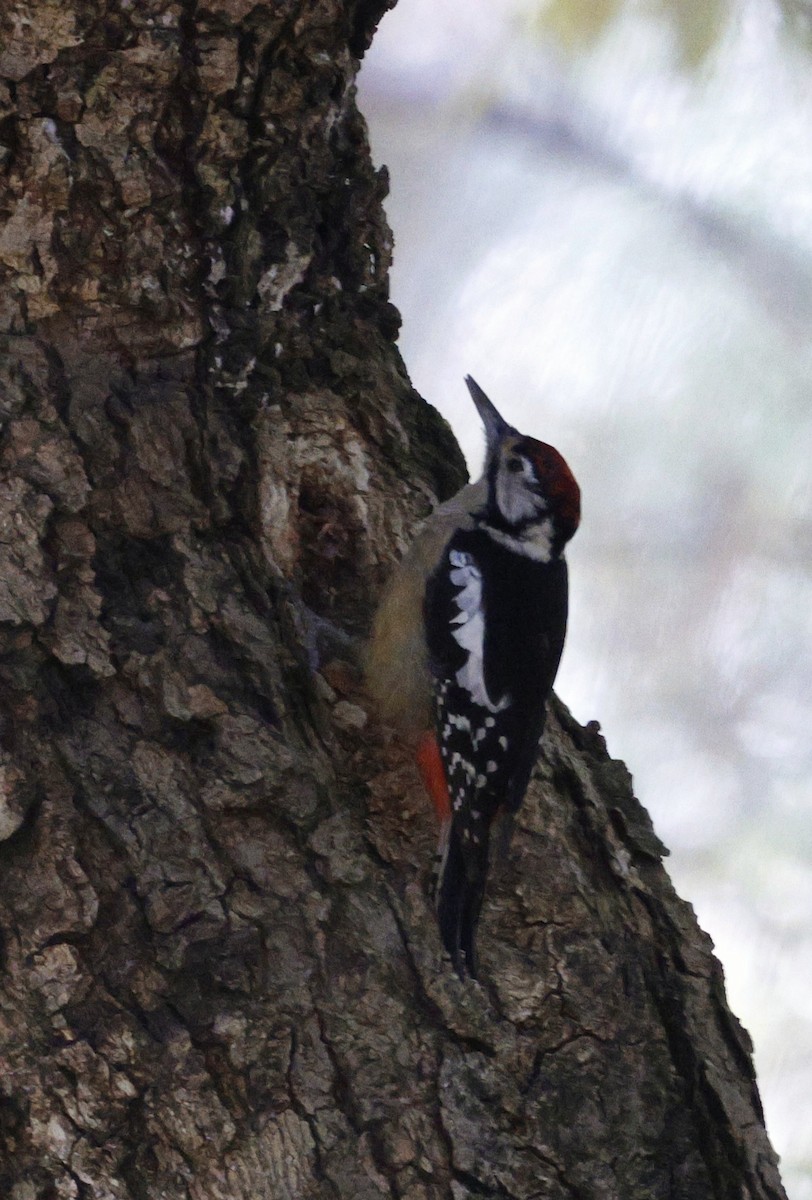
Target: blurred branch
776,272
798,19
698,27
578,24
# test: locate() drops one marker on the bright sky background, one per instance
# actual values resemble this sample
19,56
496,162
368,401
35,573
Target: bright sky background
618,247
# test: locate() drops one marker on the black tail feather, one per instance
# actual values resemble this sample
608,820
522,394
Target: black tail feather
460,892
475,894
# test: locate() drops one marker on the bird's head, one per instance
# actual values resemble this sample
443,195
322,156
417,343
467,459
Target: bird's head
529,483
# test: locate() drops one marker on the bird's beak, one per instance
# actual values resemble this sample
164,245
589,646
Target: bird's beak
495,427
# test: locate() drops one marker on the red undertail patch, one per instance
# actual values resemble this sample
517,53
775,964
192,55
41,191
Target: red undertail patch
433,773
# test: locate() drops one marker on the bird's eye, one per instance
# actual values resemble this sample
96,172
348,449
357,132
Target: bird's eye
514,465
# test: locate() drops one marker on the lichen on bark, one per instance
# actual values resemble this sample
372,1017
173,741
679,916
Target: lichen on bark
220,972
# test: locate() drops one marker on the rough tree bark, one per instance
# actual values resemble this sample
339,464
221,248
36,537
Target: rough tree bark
220,973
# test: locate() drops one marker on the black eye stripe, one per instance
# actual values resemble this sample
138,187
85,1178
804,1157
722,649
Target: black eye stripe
515,465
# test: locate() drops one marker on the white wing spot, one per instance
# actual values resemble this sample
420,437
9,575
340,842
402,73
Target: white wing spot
459,722
503,743
469,631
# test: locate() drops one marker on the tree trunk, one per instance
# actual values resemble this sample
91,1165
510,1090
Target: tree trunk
221,976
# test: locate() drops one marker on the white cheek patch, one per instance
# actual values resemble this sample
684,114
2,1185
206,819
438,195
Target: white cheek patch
468,629
515,497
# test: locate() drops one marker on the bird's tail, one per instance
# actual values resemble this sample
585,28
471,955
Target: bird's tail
461,873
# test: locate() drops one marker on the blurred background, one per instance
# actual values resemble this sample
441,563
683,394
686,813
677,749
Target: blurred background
602,210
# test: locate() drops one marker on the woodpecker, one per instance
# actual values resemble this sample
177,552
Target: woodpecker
465,648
